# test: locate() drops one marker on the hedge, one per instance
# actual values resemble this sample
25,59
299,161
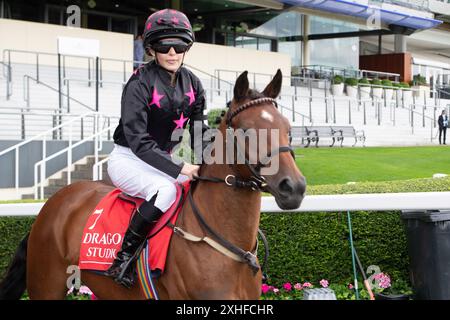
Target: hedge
310,246
314,246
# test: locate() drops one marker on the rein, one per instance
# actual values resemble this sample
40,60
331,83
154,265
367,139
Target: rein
255,183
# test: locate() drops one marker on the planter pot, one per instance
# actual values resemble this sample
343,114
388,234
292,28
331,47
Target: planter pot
380,296
407,95
388,94
352,92
421,91
377,92
337,89
365,92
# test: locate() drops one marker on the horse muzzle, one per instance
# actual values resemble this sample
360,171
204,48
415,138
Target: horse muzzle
289,192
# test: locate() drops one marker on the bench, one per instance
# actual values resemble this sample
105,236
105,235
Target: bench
315,133
341,132
318,132
310,134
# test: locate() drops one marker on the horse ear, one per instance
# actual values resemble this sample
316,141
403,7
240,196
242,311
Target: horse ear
241,86
274,87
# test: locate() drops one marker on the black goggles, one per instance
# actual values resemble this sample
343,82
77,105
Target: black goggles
164,46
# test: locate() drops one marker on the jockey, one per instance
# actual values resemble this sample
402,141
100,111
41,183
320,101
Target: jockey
159,98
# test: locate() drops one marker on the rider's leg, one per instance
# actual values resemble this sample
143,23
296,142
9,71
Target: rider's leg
123,267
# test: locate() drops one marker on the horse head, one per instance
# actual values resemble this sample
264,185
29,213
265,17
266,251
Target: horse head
273,164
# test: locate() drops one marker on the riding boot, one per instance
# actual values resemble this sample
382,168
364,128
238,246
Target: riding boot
123,268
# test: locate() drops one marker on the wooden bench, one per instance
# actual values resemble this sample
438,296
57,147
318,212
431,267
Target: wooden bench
341,132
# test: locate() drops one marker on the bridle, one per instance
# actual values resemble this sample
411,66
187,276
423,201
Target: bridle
256,183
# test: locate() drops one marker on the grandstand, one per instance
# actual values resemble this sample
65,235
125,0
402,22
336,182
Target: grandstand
313,42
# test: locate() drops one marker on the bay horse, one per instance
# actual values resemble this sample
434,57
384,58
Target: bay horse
193,270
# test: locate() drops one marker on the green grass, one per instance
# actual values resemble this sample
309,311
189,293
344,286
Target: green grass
341,165
21,201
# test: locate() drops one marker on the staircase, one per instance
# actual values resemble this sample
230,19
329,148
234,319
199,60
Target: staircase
81,170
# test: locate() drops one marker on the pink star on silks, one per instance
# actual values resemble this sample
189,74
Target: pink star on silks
180,122
156,97
175,20
191,95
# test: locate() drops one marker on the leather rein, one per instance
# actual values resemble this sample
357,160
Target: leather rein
256,183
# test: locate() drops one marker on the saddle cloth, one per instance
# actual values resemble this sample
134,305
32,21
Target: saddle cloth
107,224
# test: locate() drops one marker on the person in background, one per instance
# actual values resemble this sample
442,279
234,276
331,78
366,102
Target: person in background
443,124
138,51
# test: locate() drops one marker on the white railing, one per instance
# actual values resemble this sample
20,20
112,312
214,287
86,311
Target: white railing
43,137
318,203
97,137
97,169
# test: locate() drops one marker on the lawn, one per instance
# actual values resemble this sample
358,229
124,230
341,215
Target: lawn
341,165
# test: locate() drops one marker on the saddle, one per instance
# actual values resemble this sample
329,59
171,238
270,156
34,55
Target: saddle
106,226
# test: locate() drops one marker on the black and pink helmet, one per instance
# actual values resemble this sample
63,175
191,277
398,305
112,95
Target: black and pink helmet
167,23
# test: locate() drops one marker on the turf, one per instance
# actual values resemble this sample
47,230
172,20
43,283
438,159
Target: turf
341,165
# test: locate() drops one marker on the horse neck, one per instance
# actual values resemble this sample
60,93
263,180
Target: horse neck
233,213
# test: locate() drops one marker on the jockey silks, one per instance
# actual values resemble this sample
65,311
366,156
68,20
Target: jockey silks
153,108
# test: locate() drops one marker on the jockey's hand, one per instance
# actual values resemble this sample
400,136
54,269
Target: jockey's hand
190,170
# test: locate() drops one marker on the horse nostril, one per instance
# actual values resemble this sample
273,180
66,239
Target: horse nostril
286,186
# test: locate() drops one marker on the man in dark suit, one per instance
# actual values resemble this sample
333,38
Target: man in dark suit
443,124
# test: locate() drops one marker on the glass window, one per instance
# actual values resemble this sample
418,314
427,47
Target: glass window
293,49
123,25
98,22
246,42
343,52
264,44
54,15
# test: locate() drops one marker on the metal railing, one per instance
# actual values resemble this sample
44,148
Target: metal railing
6,72
96,137
43,137
33,122
26,93
68,81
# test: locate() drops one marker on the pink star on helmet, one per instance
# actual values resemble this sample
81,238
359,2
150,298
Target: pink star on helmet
175,20
186,24
149,26
191,95
156,98
180,122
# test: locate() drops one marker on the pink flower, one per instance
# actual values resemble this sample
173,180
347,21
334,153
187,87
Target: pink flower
85,290
350,286
287,286
265,288
307,285
298,286
383,280
93,297
324,283
276,290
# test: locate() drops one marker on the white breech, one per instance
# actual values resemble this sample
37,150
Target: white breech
138,179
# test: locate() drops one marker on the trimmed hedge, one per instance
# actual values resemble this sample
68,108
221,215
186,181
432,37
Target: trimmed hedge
309,246
314,246
12,230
